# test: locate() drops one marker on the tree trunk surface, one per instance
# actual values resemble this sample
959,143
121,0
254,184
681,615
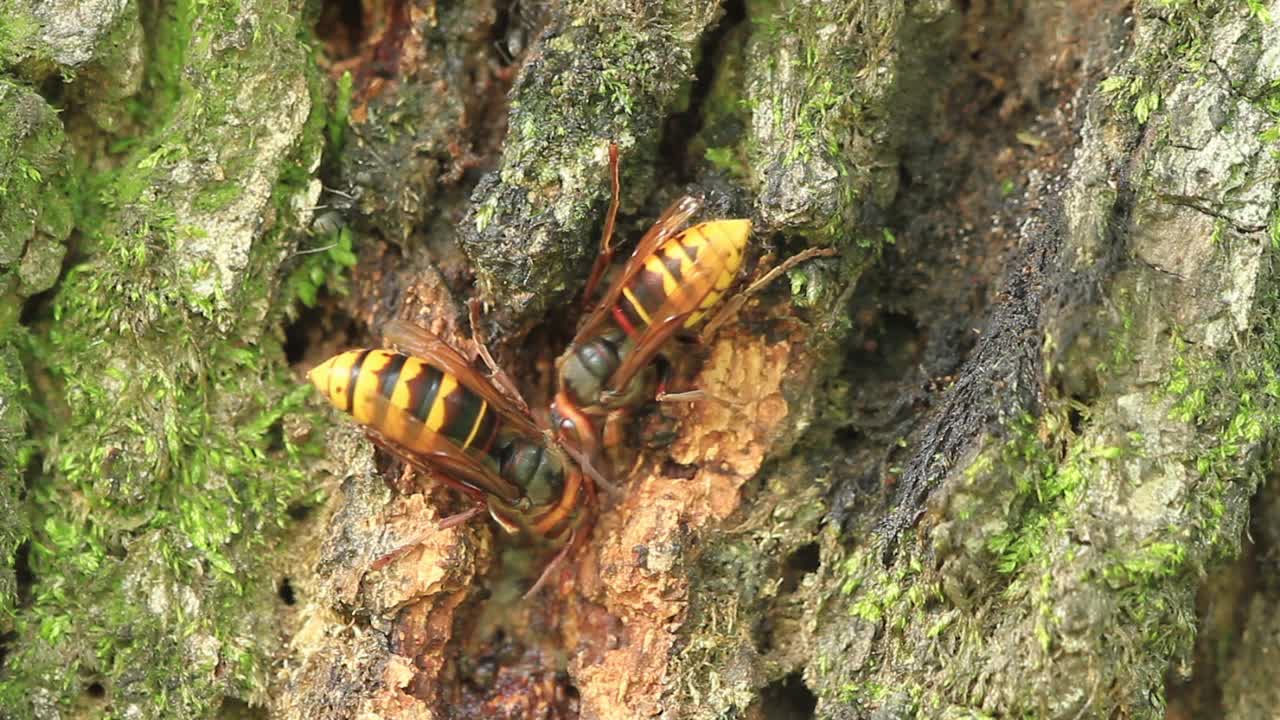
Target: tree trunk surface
1001,456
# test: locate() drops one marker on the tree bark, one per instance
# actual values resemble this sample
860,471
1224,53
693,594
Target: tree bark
997,458
172,148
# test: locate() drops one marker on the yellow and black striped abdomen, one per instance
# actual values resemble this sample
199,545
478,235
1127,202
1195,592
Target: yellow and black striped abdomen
690,272
403,398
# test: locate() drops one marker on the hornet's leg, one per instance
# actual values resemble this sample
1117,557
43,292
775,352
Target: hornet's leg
576,537
501,379
735,303
606,238
666,374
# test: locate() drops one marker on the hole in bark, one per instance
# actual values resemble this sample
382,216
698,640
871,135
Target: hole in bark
479,673
237,708
341,27
319,333
763,635
296,337
5,640
805,560
891,342
502,672
847,436
299,511
117,550
682,126
905,179
1076,418
788,699
502,22
23,576
673,469
53,89
286,593
34,307
95,690
275,436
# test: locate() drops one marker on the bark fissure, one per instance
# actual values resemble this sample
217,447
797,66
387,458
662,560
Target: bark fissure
1210,212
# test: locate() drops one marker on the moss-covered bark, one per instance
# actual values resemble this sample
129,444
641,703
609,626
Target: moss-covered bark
611,74
1114,450
166,434
975,466
36,192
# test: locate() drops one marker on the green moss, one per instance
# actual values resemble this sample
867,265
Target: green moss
725,111
14,455
863,693
809,129
1120,338
169,33
325,267
1069,545
894,597
338,117
217,197
36,216
1046,485
628,75
1236,407
328,263
181,471
18,30
825,110
37,189
728,160
1155,561
1180,43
